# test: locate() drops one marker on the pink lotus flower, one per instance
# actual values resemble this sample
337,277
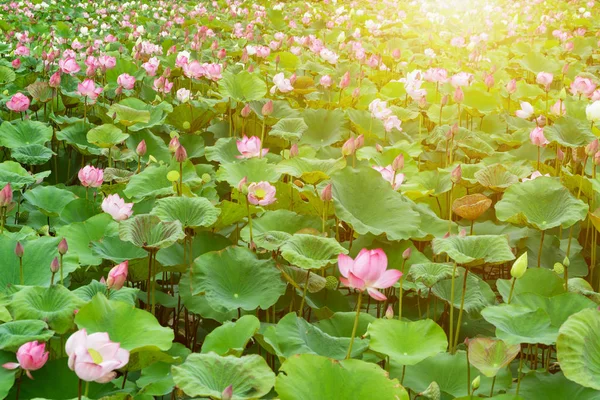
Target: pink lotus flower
461,79
391,123
117,276
526,110
94,357
107,62
151,66
345,81
325,81
250,147
16,63
6,196
390,175
558,108
182,59
194,70
545,79
54,81
537,137
281,83
261,193
90,176
183,95
31,356
582,86
436,75
511,86
213,71
116,207
21,51
533,176
368,271
69,66
379,109
162,85
18,103
126,81
88,88
263,51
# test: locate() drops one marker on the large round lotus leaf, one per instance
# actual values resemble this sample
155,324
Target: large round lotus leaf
13,173
41,91
273,228
106,136
475,250
151,182
569,132
297,277
356,204
347,379
450,373
478,294
578,346
16,333
87,292
202,242
190,211
231,337
207,375
594,217
76,135
128,116
149,232
158,113
530,283
341,324
407,342
517,324
7,377
496,177
49,199
253,169
430,273
581,286
23,133
310,251
310,170
290,129
542,203
80,234
33,154
294,335
543,385
53,305
242,87
224,151
116,250
7,75
325,127
199,304
471,206
133,328
559,307
428,183
490,355
235,278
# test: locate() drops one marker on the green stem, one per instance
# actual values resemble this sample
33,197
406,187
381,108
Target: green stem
462,305
262,136
519,374
400,292
300,313
180,179
451,330
87,388
512,288
61,270
355,325
539,260
493,383
21,278
249,221
153,282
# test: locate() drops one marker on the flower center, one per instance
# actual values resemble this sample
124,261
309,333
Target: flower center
260,193
96,357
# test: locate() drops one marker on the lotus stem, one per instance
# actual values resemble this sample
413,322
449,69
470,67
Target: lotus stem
519,373
180,179
300,310
539,149
21,278
400,291
450,209
79,389
468,373
403,373
149,279
451,330
539,259
249,222
262,136
462,305
358,304
153,255
512,288
493,383
2,217
61,270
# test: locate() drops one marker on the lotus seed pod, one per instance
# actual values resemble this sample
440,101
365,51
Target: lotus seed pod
331,282
206,178
186,125
173,176
559,268
432,392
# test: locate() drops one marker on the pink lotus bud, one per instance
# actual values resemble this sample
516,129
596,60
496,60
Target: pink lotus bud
349,147
19,250
545,79
407,253
345,82
222,54
267,109
251,68
180,154
456,175
489,80
141,149
359,141
596,158
246,111
242,183
458,96
174,144
6,196
565,68
444,100
55,80
31,356
54,265
396,53
379,148
277,59
63,247
398,163
16,63
293,79
227,393
511,86
537,137
294,150
117,276
389,313
462,233
326,194
591,148
356,93
561,154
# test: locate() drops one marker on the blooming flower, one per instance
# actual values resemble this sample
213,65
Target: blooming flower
461,79
94,357
31,356
151,66
545,79
526,110
261,193
391,123
281,83
126,81
69,66
390,175
537,137
183,95
592,112
534,175
116,207
368,271
249,147
582,86
18,103
88,88
379,109
90,176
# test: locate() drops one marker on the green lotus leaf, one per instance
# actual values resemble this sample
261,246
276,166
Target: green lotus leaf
231,337
41,91
581,286
542,203
224,151
12,172
553,387
253,169
207,375
202,242
569,132
517,324
294,335
310,251
477,98
347,379
7,75
53,305
87,292
496,177
430,273
76,135
7,377
158,113
23,133
155,145
190,211
365,124
198,116
490,355
128,116
141,332
234,278
80,234
355,204
290,129
530,283
429,183
149,232
16,333
559,307
151,182
538,63
116,250
117,175
475,250
407,342
106,136
33,154
311,171
199,304
478,294
242,87
341,324
297,277
325,127
281,109
49,199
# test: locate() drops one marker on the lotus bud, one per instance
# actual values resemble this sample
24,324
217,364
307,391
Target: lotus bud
407,253
345,82
462,233
458,96
19,250
566,262
565,68
294,150
293,79
227,393
511,86
456,174
356,93
444,100
326,194
63,247
398,163
349,147
117,276
396,54
222,54
389,313
519,267
180,154
141,149
591,148
6,196
277,59
267,109
559,268
246,111
174,144
359,141
379,148
251,68
241,186
476,382
54,265
597,158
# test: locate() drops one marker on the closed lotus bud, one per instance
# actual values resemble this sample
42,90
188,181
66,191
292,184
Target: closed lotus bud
267,109
456,174
180,154
476,382
597,158
389,313
565,68
396,53
6,195
326,193
359,141
19,250
54,265
379,148
349,147
227,393
277,59
511,86
398,163
141,149
462,233
63,247
356,93
458,96
559,268
591,148
294,150
246,111
444,100
519,267
242,184
293,78
174,144
566,262
407,253
345,82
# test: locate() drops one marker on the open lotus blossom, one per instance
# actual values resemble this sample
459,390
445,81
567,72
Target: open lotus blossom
94,357
559,108
261,193
116,207
461,79
537,137
90,176
250,147
31,356
592,112
544,79
379,109
582,86
126,81
281,84
390,175
526,110
88,89
18,103
368,271
69,66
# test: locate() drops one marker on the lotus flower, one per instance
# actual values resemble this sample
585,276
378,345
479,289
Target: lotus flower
126,81
94,357
116,207
31,356
390,175
18,103
90,176
537,137
69,66
88,88
545,79
281,83
592,112
368,271
250,147
117,276
261,194
526,110
582,86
